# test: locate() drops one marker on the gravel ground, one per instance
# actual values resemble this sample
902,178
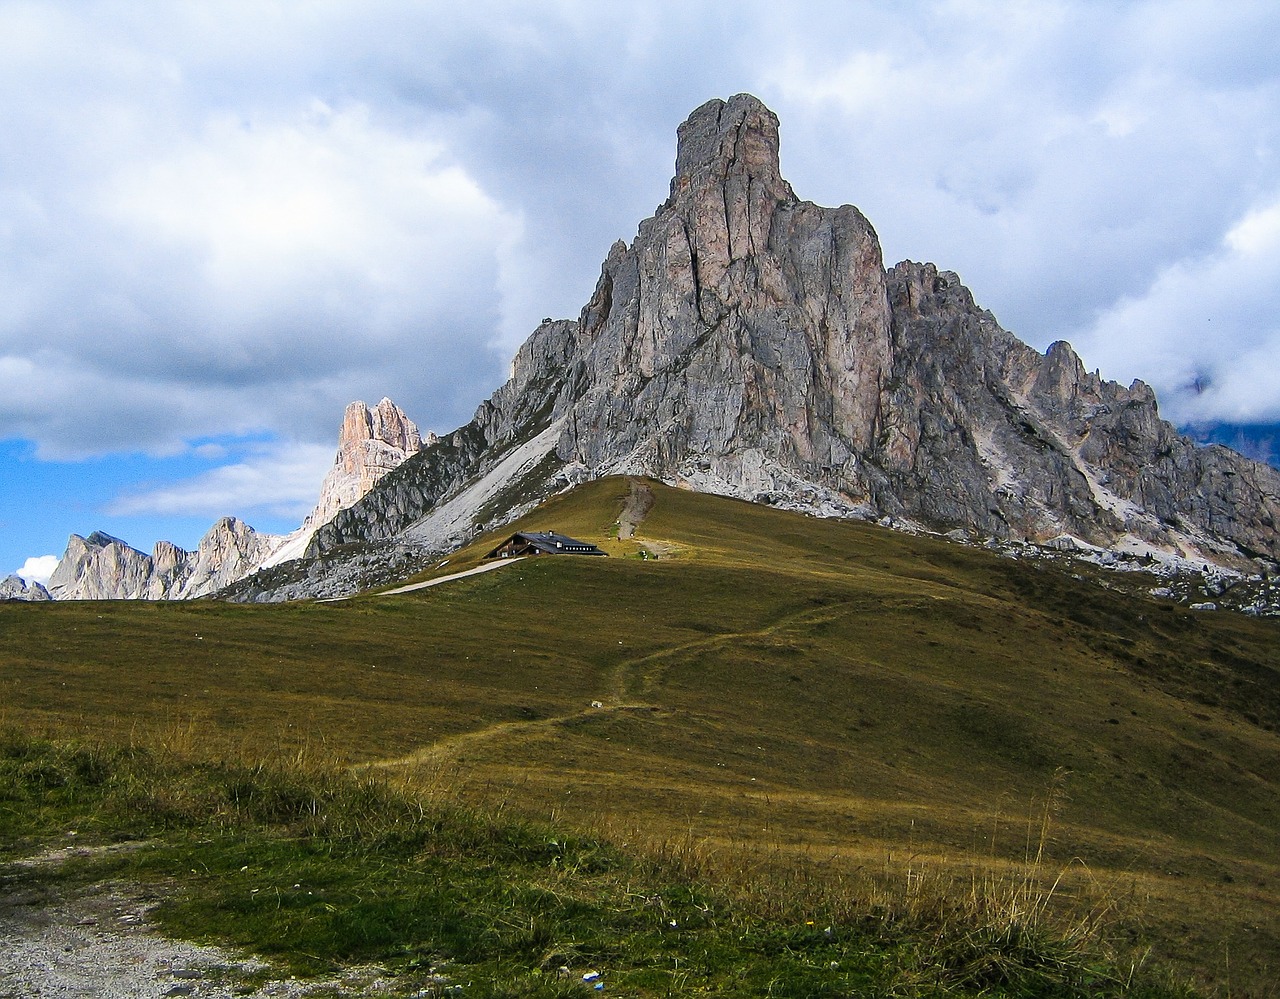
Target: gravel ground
99,943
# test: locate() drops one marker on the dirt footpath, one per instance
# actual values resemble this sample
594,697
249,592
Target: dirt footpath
634,511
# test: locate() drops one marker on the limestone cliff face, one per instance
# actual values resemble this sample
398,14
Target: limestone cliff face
986,433
372,442
230,550
744,330
100,567
750,343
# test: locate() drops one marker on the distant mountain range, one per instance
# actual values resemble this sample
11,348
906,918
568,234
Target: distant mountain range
752,344
101,567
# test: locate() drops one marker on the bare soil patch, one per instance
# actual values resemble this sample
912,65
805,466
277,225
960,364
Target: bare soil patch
636,508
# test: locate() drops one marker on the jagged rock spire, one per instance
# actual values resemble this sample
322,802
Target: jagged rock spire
371,443
731,143
385,424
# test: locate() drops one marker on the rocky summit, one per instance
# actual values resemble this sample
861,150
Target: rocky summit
16,588
752,344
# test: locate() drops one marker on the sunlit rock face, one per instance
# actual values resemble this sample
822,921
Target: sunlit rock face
101,567
17,588
371,443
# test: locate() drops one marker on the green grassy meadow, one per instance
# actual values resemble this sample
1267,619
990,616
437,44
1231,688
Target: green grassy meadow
791,709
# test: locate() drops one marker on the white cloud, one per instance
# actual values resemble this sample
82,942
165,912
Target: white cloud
266,210
173,269
1060,156
1200,333
1257,235
233,217
279,479
38,569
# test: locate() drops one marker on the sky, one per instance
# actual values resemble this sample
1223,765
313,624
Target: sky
222,220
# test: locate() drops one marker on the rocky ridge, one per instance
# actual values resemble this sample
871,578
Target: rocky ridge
101,567
16,588
752,344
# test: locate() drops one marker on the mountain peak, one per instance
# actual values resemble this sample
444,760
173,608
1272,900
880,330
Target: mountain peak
733,141
371,443
100,539
753,344
386,422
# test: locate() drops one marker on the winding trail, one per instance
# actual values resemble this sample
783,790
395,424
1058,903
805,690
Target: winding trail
627,683
623,681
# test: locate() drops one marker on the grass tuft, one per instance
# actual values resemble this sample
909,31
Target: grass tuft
316,869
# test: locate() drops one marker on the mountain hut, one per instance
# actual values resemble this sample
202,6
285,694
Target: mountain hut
524,543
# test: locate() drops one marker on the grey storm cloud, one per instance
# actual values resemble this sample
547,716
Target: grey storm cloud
228,218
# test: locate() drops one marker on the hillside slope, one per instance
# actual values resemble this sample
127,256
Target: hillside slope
825,689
